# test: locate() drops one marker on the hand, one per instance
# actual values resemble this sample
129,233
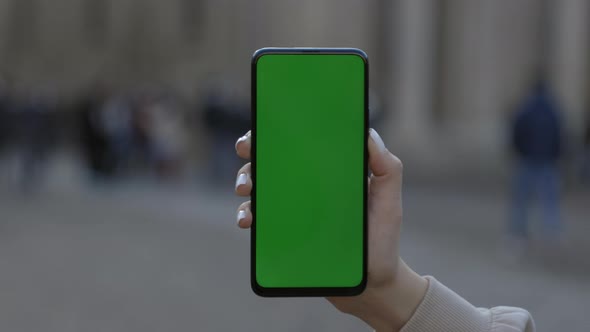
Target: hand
393,290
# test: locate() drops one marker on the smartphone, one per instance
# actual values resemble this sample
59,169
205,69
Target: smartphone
309,171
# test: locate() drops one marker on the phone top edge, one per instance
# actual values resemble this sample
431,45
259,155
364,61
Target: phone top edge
308,50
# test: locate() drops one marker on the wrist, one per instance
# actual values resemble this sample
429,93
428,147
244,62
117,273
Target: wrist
390,306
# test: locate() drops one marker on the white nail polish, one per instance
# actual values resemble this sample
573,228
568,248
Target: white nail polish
241,215
243,138
242,179
377,139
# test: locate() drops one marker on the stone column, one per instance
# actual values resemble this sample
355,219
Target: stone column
490,57
471,64
568,59
4,30
414,45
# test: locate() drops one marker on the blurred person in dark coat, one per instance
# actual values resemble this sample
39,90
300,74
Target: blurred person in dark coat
36,135
4,116
115,122
225,117
93,141
537,141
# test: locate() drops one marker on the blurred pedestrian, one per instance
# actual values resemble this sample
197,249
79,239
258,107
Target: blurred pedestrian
537,141
93,140
169,137
4,115
160,135
225,117
36,134
115,123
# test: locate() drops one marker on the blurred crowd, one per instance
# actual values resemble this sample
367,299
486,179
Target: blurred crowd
118,135
160,134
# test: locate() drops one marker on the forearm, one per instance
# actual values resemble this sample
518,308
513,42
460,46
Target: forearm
389,307
412,303
442,310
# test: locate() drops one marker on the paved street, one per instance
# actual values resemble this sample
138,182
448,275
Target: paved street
133,257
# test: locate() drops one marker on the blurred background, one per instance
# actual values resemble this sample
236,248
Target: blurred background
117,125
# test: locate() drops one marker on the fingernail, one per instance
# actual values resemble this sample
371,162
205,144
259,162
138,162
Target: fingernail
240,140
242,179
241,215
377,139
243,138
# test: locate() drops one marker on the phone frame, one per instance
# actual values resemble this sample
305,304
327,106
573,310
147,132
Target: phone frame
307,291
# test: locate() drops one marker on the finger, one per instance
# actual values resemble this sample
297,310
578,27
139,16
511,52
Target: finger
243,181
386,181
382,162
243,145
244,215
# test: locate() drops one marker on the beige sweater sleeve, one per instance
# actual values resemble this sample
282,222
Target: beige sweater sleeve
443,310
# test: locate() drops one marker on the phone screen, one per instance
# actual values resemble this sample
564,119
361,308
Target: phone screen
309,170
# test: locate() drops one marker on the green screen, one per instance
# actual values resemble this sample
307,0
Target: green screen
310,127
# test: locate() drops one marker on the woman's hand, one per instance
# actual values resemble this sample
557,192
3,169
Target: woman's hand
393,290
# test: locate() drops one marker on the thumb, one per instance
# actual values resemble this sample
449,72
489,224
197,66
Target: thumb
386,182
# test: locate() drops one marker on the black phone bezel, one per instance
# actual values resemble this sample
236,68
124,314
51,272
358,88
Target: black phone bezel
307,291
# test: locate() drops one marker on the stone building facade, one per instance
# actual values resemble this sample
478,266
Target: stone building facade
447,72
